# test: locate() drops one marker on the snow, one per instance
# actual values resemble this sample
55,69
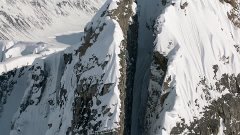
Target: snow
19,54
23,54
24,49
36,117
46,21
63,32
221,128
194,39
44,118
70,39
113,5
12,104
105,48
147,12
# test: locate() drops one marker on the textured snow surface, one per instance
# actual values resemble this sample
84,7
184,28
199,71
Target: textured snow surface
18,62
194,39
49,100
92,76
49,89
18,54
31,71
105,49
28,20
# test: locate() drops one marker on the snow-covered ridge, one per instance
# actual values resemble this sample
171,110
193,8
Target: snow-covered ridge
80,91
97,73
32,69
186,74
200,42
22,65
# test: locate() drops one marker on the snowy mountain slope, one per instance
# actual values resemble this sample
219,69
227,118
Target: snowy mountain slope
19,54
28,20
38,102
155,67
20,65
13,85
96,75
200,90
83,90
35,21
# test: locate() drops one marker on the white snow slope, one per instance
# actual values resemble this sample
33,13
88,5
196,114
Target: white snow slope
72,92
37,20
187,84
30,68
18,54
18,60
201,45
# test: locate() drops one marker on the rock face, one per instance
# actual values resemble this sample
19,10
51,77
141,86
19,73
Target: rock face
222,111
233,14
151,67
